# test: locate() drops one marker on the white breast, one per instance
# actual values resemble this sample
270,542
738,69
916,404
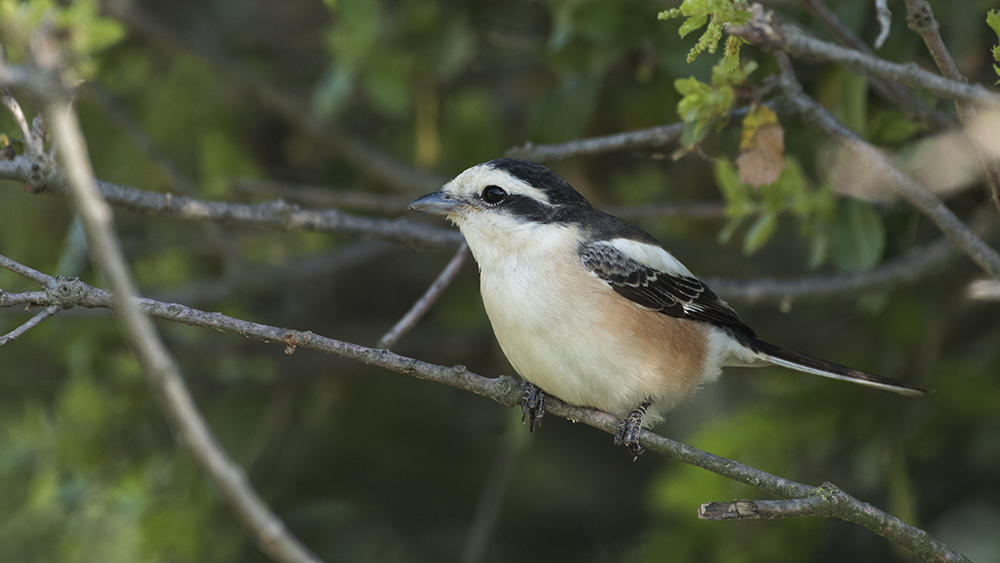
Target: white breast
568,332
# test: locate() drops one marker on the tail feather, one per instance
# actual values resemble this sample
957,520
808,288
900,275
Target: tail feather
802,362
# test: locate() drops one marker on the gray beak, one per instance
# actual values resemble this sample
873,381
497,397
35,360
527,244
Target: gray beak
437,203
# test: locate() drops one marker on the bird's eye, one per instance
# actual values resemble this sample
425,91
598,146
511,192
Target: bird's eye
493,194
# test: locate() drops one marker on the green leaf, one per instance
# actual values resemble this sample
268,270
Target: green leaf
760,232
737,194
858,237
692,23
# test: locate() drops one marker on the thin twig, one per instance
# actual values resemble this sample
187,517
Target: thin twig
884,17
909,269
162,372
920,18
915,107
661,136
30,141
24,271
506,391
30,324
179,181
428,299
273,215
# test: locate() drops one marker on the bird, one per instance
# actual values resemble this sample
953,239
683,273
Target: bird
593,310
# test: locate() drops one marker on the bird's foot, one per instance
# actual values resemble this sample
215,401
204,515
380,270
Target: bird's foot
532,405
629,428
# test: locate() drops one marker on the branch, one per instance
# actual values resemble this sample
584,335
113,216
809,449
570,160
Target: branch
765,509
506,391
428,299
920,19
763,32
953,228
915,107
274,215
661,136
162,373
909,269
32,323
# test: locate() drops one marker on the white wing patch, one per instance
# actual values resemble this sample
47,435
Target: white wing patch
650,255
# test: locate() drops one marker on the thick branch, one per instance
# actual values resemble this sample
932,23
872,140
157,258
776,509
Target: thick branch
506,391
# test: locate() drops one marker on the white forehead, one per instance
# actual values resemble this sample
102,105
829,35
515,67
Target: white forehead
472,181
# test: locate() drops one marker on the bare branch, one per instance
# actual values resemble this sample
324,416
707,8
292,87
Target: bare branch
884,17
765,509
275,215
983,290
428,299
30,141
915,107
506,391
909,269
920,19
112,107
163,375
661,136
32,323
762,31
25,271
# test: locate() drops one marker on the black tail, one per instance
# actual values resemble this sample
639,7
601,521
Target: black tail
816,366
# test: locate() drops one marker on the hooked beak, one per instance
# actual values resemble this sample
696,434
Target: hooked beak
437,203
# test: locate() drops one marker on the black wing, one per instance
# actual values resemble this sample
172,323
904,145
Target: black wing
678,296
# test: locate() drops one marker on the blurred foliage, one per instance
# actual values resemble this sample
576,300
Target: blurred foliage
365,465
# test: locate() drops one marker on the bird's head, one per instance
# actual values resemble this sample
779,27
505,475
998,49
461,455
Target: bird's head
503,194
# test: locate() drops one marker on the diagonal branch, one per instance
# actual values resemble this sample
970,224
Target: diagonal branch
428,299
162,372
915,107
951,226
764,32
506,391
920,18
32,323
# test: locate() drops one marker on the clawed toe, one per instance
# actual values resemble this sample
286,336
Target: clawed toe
629,429
532,405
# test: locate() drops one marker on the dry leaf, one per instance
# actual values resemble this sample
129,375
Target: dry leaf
763,162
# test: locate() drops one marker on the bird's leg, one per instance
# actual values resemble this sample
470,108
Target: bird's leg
532,405
629,428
